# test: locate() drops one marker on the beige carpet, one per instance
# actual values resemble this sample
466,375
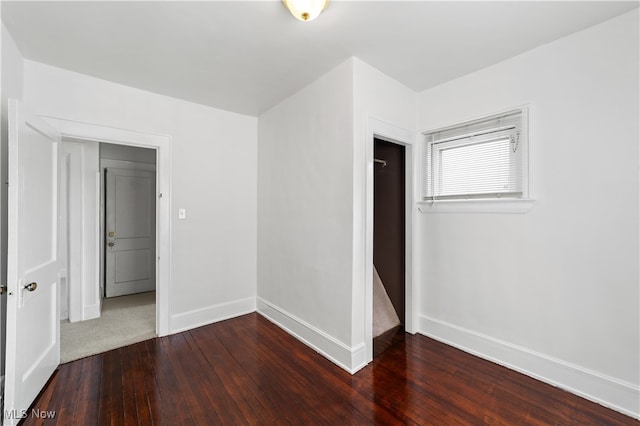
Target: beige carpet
384,314
125,320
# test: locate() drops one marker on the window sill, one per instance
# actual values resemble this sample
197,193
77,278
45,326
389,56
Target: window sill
495,205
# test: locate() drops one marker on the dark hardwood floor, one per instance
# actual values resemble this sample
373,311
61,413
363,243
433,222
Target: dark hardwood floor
248,371
387,340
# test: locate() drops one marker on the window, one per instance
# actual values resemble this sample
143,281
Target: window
480,159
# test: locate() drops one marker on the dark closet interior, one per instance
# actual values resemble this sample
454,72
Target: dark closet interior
389,220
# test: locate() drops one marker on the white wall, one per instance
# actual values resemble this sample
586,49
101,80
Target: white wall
554,292
305,158
11,87
213,270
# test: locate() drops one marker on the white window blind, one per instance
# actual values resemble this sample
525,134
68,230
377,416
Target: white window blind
485,158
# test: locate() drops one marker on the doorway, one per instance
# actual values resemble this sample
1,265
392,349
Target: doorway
77,130
114,186
389,242
128,220
377,129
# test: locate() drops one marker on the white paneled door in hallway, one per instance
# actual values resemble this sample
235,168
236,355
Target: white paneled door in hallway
131,228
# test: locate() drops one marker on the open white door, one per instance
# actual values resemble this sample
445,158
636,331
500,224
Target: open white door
33,325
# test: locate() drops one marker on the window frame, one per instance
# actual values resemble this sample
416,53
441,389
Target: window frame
500,202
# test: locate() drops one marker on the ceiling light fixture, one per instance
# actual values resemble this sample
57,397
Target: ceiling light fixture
306,10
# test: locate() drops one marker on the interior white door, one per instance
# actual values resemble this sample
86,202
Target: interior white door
33,326
130,265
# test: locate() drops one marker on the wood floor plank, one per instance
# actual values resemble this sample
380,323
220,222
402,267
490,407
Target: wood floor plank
286,390
215,395
248,371
111,407
236,382
137,410
173,390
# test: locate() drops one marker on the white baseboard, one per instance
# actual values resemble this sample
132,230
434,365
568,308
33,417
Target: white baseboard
351,359
605,390
210,314
91,312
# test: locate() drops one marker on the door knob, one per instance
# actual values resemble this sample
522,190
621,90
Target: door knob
111,234
31,286
111,244
3,289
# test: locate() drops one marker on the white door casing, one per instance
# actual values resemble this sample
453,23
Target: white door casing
130,231
63,226
78,130
382,130
33,327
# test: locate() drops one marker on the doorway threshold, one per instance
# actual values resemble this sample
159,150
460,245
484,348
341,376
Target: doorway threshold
125,320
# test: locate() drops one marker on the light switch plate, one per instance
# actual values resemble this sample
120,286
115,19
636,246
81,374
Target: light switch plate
182,213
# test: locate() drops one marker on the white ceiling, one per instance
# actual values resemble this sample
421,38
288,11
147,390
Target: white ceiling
246,56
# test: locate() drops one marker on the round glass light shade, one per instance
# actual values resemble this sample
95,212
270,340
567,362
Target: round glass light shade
306,10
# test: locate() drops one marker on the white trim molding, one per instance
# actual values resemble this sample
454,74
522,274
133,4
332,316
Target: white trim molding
379,129
91,311
162,143
494,205
348,358
211,314
602,389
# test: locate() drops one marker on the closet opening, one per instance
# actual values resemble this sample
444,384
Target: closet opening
389,234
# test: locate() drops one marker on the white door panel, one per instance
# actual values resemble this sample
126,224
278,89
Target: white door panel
130,239
33,328
133,205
